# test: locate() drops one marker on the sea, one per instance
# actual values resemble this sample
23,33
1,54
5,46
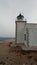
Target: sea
6,38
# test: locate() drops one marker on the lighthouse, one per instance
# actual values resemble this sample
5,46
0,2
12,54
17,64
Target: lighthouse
21,30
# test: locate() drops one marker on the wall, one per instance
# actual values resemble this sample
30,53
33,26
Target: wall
32,34
20,32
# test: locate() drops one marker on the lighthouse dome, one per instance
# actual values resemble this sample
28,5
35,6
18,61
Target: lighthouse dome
20,17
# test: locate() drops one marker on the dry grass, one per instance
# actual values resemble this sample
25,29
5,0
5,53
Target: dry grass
6,57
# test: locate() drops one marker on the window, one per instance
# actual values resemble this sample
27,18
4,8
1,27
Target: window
24,36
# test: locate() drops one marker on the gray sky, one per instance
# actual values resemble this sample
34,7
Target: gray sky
9,9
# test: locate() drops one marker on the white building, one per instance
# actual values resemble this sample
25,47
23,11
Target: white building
26,33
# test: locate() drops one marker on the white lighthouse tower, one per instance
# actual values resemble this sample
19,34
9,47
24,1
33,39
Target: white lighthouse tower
21,30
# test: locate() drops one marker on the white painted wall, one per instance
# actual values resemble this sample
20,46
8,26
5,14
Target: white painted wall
20,32
32,34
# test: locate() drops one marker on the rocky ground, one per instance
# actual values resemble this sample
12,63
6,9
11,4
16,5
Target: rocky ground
7,55
15,55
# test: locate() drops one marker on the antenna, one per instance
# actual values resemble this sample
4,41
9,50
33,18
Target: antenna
21,12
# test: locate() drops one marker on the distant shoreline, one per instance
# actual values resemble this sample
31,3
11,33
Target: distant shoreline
5,38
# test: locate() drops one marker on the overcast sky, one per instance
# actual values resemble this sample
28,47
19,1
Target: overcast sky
9,9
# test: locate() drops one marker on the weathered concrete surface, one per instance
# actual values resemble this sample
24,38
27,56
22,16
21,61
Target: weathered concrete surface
32,27
21,31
